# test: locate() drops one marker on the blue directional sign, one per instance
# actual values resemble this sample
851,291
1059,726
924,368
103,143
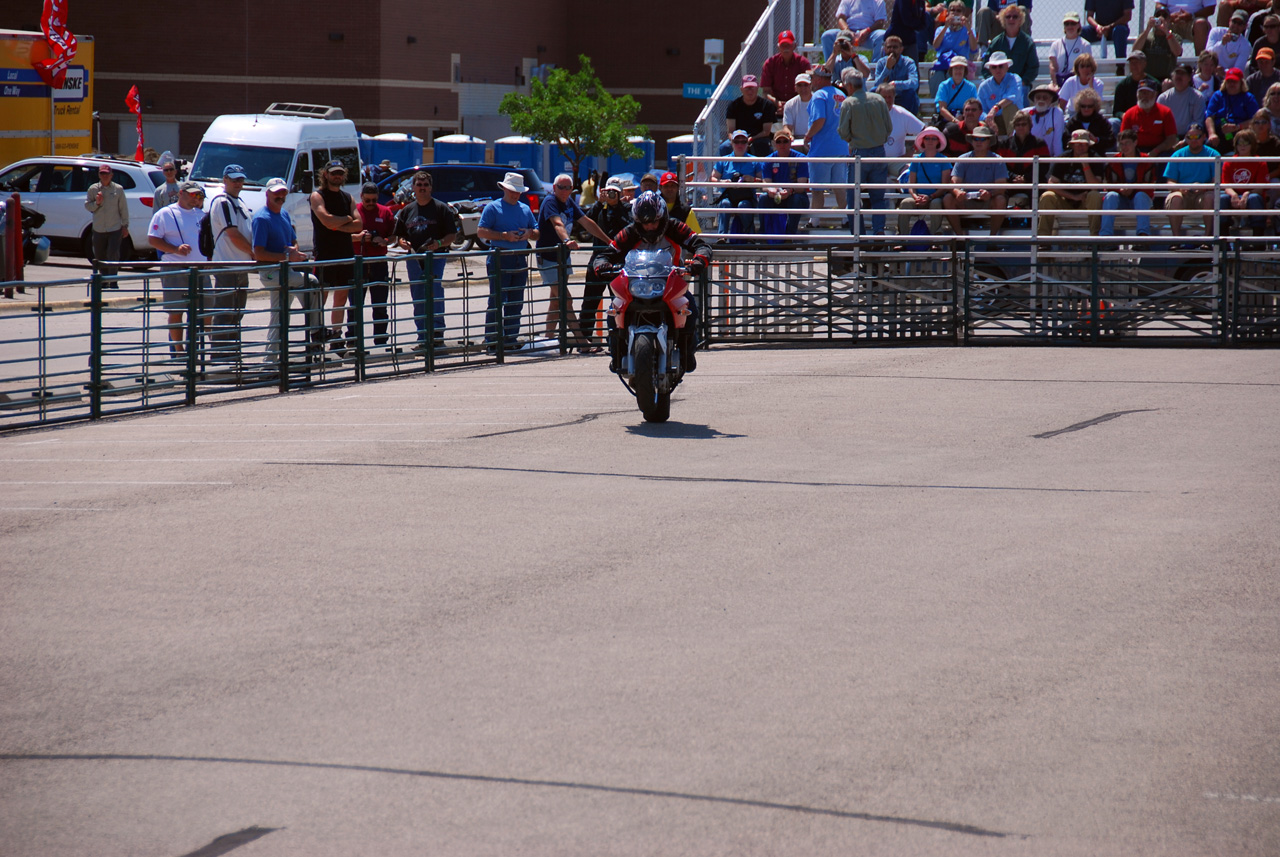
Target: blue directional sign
699,90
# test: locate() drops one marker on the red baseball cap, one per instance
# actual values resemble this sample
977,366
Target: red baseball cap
668,178
786,36
1234,74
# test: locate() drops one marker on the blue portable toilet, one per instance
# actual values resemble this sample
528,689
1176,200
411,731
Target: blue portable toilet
518,152
640,165
677,146
402,150
560,163
459,149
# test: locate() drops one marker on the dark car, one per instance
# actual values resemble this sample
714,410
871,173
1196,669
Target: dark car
460,183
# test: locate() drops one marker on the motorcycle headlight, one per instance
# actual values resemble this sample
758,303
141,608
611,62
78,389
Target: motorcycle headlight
647,288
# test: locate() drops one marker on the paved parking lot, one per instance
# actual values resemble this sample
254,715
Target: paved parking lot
913,601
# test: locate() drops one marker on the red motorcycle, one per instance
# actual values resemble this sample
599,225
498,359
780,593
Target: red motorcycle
651,338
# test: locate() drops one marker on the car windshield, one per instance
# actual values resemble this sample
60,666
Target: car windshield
260,163
648,264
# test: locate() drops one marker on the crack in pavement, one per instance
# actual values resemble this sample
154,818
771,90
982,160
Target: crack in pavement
655,477
950,826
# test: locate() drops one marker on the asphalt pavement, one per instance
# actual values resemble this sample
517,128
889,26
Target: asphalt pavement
1017,601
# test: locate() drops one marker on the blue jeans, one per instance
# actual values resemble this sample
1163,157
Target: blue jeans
1113,201
875,41
871,174
418,291
508,276
747,222
1119,37
1253,201
788,224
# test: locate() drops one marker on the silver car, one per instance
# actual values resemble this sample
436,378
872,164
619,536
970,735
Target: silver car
56,187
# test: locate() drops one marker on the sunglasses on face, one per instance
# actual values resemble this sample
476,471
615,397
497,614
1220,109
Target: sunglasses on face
168,170
563,187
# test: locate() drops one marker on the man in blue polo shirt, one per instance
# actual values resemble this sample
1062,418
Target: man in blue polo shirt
823,139
274,240
556,216
507,224
1000,94
1181,171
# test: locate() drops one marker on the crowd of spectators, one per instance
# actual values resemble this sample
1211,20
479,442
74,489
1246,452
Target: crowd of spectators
987,98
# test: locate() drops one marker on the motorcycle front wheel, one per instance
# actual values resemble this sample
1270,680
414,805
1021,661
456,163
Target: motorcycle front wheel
654,404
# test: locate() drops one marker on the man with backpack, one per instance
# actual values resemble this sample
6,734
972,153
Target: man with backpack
226,226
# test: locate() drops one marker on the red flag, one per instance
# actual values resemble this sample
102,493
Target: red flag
135,107
61,41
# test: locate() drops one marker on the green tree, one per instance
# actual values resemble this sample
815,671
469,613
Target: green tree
578,110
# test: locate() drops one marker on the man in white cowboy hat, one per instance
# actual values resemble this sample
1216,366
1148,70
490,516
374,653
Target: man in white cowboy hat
1071,170
1001,94
507,224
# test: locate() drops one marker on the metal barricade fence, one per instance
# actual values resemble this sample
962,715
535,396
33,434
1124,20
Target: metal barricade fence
969,291
714,213
157,335
136,342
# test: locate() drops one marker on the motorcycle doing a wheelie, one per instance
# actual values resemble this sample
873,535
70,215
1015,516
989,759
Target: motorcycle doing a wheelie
651,337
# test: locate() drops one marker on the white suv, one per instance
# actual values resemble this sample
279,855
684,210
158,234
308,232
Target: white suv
56,186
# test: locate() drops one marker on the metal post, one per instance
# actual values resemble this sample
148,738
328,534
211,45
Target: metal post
562,289
193,332
1217,198
283,319
95,347
1095,312
955,295
831,298
498,299
429,299
1222,292
964,288
355,308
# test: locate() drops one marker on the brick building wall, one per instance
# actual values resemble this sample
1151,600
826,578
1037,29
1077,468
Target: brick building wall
389,64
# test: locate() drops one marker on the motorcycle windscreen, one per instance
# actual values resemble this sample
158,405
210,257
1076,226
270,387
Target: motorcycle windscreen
647,270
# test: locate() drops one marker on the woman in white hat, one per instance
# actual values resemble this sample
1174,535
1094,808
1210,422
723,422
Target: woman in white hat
951,94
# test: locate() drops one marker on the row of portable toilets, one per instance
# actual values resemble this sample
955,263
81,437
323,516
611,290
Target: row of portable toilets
547,160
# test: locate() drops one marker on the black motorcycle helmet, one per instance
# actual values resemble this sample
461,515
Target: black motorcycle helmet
650,214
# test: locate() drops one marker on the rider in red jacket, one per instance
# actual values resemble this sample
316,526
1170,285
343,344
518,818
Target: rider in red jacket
652,226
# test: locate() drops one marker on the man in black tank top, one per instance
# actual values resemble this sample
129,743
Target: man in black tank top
334,222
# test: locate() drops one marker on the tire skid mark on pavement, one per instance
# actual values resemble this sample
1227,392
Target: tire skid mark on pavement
1093,422
949,826
657,477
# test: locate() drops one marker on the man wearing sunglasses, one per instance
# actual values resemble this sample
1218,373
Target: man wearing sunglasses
426,225
274,241
334,221
556,216
167,193
174,233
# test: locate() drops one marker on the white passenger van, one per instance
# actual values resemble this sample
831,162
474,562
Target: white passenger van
289,141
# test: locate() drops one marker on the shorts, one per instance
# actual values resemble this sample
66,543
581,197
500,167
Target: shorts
335,276
1195,198
829,172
